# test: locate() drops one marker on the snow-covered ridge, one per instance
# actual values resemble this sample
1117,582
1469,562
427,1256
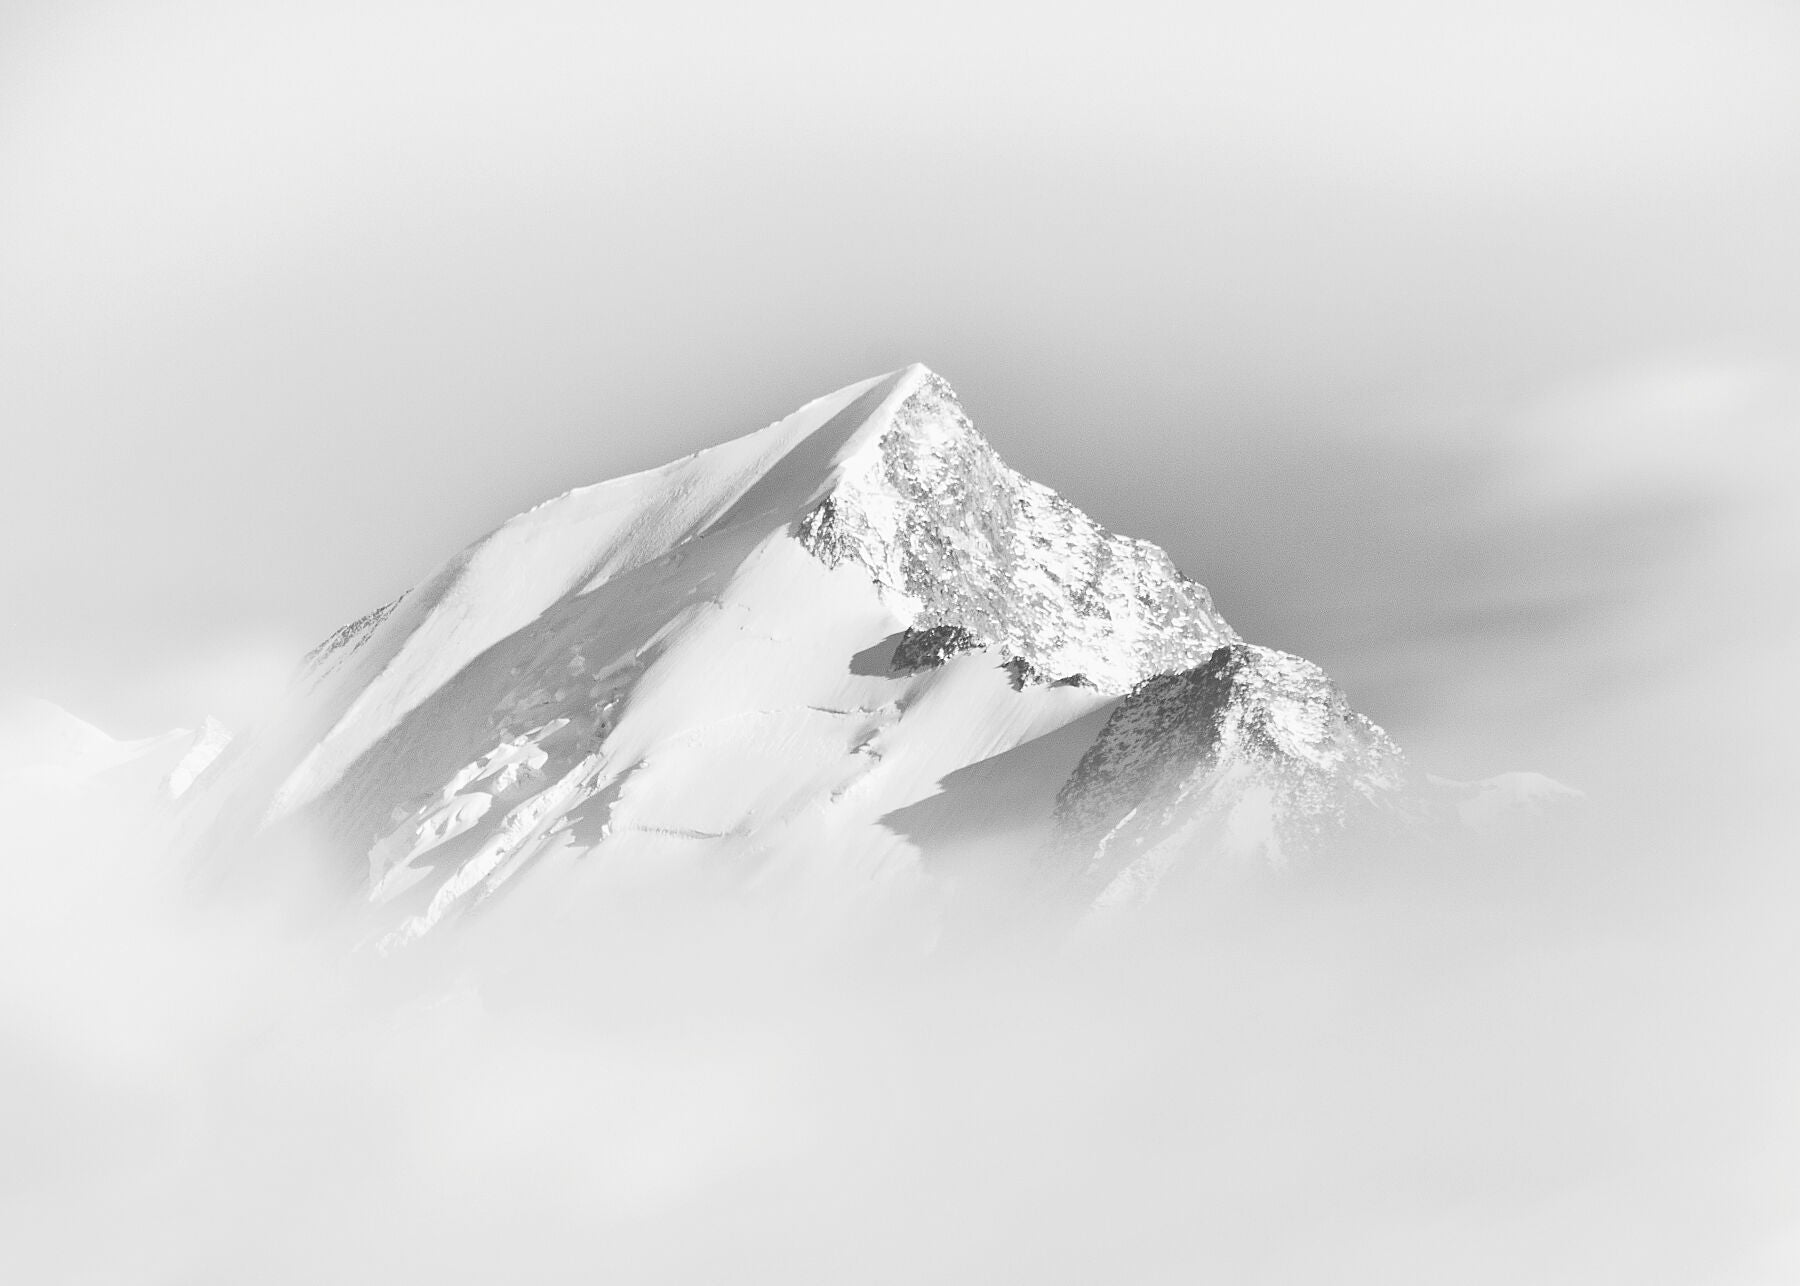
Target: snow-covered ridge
342,643
935,517
370,675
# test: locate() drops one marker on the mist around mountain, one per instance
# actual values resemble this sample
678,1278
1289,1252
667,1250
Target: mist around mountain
784,865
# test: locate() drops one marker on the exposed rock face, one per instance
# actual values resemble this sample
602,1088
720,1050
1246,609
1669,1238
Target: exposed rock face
344,641
929,648
934,515
1254,755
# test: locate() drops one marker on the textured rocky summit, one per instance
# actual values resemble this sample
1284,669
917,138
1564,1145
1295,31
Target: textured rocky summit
990,559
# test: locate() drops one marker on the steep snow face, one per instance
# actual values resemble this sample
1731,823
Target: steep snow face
1253,756
394,659
705,670
206,744
983,557
371,676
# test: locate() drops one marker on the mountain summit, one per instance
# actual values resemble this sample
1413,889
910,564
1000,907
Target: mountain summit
784,658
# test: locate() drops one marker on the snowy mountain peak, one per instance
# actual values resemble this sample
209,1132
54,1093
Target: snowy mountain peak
763,662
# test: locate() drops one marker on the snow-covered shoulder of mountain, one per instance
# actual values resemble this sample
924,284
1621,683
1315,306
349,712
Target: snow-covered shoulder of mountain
203,746
1255,757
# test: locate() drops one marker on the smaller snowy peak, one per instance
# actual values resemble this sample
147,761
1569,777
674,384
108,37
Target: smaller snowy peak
1254,755
979,556
1507,799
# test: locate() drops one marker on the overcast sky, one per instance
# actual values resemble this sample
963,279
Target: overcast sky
1430,336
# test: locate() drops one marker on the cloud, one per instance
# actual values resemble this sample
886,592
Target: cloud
1552,1061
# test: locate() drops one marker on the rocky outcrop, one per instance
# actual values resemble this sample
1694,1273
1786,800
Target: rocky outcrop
1254,755
980,553
929,648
